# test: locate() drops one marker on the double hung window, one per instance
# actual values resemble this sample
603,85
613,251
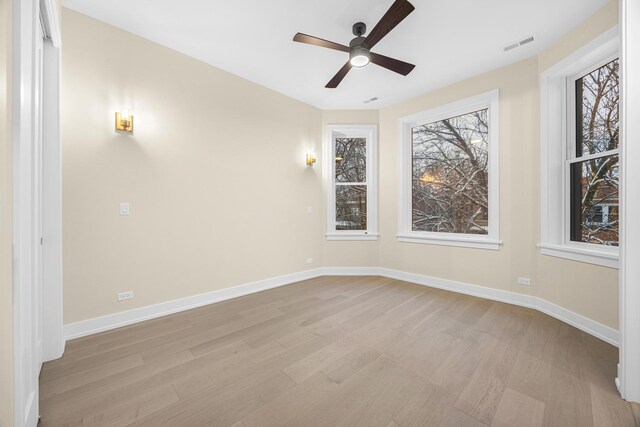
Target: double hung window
351,193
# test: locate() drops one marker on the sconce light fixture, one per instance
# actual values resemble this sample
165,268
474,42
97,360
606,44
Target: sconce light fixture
124,122
310,159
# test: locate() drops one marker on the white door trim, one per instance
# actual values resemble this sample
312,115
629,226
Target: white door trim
51,21
26,359
53,328
27,33
629,374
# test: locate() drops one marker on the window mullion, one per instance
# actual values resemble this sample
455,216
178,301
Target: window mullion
607,153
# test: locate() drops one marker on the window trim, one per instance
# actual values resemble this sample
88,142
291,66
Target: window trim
571,142
489,100
368,131
557,103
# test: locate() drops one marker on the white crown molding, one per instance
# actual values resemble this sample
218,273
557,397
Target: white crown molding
116,320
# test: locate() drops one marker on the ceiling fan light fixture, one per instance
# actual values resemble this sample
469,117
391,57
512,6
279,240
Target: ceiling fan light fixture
359,56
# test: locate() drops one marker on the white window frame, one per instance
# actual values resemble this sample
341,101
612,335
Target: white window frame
352,131
557,151
488,100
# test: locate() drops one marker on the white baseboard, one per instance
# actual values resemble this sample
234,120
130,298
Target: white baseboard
124,318
579,321
462,288
116,320
350,271
598,330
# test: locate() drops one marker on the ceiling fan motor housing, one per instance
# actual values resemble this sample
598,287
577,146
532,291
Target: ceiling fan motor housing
356,42
359,55
359,51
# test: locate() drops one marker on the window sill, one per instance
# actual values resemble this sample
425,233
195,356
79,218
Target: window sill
605,258
463,242
352,236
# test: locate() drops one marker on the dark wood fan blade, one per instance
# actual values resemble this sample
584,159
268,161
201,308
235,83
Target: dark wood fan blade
305,38
396,65
335,81
396,13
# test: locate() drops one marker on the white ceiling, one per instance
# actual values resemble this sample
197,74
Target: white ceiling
447,40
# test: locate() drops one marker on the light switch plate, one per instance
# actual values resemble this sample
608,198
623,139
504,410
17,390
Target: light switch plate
124,209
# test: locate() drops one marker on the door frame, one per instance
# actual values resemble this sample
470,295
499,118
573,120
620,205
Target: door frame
26,20
53,323
629,374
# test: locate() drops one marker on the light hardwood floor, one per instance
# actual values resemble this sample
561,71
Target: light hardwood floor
339,351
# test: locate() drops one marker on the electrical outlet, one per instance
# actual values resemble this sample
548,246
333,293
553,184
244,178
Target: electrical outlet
124,209
122,296
309,260
524,281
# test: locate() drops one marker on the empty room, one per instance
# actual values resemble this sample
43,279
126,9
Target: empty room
386,213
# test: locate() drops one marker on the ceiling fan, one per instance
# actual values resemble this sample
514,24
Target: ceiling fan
359,48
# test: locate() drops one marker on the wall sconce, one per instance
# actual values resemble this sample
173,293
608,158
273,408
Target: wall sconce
124,122
310,159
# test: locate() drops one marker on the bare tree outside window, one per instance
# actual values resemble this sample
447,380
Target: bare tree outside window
350,183
595,169
450,163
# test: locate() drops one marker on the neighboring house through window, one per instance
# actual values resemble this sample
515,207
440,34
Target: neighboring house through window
594,165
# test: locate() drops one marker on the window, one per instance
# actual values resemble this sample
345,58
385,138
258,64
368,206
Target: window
449,178
593,162
351,197
580,155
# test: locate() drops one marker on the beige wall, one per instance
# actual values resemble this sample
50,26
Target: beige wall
346,253
214,175
6,292
518,85
595,25
219,192
583,288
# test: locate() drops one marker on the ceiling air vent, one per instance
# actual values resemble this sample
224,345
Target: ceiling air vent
516,45
527,40
375,98
511,47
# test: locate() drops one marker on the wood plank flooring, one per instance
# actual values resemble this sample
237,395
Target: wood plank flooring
339,351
